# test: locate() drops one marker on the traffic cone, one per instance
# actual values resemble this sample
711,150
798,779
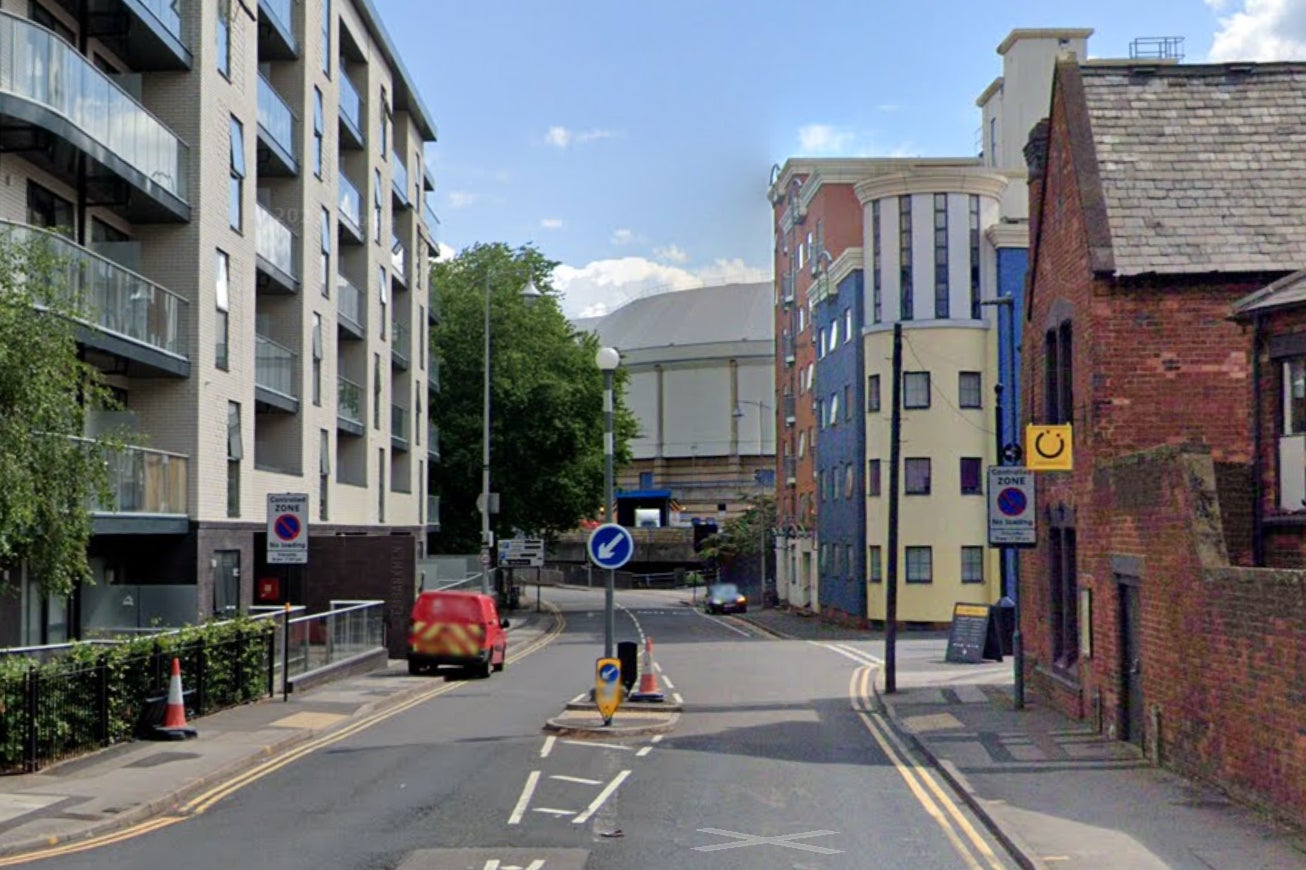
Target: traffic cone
174,719
648,680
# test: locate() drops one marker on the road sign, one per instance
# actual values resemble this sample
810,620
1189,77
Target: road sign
521,553
288,528
607,687
611,546
1049,448
1011,507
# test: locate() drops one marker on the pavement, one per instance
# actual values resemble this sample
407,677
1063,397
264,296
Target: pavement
1054,791
82,800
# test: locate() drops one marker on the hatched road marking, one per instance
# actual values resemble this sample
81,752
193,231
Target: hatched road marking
787,841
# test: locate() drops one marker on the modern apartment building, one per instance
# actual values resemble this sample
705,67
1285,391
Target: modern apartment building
241,190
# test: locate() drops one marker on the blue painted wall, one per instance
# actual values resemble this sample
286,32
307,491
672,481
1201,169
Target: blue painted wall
842,521
1012,265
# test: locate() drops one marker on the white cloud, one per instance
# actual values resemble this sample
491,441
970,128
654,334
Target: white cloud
594,135
622,236
1262,30
444,253
561,137
672,254
558,137
818,139
604,285
551,223
463,198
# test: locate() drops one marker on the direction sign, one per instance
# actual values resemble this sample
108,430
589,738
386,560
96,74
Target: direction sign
521,553
1011,507
1049,448
611,546
288,528
607,687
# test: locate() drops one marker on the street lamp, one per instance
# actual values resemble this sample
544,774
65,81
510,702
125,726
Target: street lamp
530,294
761,524
607,359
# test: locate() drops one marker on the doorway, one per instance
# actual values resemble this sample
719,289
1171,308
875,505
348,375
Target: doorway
1131,662
226,583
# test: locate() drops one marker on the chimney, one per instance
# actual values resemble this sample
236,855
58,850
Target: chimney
1036,161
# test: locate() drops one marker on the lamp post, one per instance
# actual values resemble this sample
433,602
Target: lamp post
607,359
530,294
761,524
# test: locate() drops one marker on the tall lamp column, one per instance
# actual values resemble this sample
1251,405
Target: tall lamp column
607,359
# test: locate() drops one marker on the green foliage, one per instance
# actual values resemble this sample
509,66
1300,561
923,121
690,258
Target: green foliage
546,443
48,476
748,534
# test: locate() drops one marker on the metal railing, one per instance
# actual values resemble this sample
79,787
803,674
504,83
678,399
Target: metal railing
313,641
399,258
351,204
274,241
275,117
399,340
433,511
349,401
274,367
433,440
350,303
145,481
399,177
433,373
351,104
399,423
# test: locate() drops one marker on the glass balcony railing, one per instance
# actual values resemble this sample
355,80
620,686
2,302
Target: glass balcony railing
349,401
351,104
111,297
143,481
432,222
399,177
351,204
399,343
351,304
275,242
275,117
433,511
37,66
282,10
274,367
399,423
433,440
166,12
399,259
435,303
433,374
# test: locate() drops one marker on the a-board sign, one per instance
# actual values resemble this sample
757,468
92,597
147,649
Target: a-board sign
974,636
607,687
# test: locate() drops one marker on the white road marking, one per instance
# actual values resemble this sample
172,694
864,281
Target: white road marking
537,864
668,682
599,745
525,799
724,624
787,841
552,811
581,697
657,739
492,864
678,699
862,658
578,779
645,751
548,746
602,798
657,667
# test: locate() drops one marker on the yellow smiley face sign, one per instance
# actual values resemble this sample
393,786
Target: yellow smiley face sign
1049,448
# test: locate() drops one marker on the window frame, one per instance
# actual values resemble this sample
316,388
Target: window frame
976,556
872,394
907,467
238,173
964,398
222,306
906,292
942,288
911,570
874,481
977,464
907,380
874,564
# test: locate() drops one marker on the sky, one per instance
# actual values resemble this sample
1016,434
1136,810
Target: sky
633,142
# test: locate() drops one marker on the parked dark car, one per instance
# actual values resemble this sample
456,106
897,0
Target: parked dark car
726,598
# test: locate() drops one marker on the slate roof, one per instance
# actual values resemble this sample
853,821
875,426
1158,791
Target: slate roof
707,315
1202,168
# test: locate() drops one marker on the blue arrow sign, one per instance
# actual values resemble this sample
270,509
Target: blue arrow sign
609,673
611,546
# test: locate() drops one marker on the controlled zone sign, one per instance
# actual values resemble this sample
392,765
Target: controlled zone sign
1049,448
288,528
607,687
610,546
1012,513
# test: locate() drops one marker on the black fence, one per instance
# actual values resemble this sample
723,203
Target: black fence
97,697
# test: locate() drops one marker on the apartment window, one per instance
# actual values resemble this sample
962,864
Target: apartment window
380,485
969,390
646,480
877,291
820,344
993,142
916,476
385,125
222,295
317,359
821,485
941,256
847,325
1058,374
319,131
417,416
835,552
802,444
974,257
235,452
102,232
421,332
874,564
224,38
872,394
235,204
847,402
820,413
46,19
1064,582
376,391
1294,396
48,210
848,559
323,473
834,336
326,37
802,320
906,304
971,476
920,565
324,261
915,390
849,480
972,564
834,409
383,293
376,204
873,478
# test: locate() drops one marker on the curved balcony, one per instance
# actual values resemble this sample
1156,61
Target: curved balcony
55,103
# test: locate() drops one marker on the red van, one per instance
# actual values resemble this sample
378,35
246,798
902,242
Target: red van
456,628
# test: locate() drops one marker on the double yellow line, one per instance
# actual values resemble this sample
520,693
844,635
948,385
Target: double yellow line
207,799
965,839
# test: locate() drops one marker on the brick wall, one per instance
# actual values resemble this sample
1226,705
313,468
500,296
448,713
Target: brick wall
382,567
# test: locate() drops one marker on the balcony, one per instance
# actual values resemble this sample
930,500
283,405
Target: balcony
274,375
399,428
147,34
399,261
790,409
433,375
430,221
148,494
351,115
400,345
434,305
351,310
399,181
276,40
276,245
349,407
351,213
55,104
433,512
277,154
433,442
127,322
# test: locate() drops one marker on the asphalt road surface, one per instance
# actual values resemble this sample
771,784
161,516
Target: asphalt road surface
777,762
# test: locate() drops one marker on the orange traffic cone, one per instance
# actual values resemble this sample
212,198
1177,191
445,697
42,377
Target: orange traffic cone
174,719
648,680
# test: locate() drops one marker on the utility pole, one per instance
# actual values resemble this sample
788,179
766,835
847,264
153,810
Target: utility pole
891,578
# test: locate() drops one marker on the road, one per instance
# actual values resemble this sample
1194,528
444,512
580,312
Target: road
776,763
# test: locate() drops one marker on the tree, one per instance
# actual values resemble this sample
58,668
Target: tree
748,534
48,474
546,443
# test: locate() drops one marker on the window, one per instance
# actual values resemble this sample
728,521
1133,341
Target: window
235,452
849,480
915,390
906,304
417,416
317,359
319,131
916,476
324,262
848,559
834,335
941,255
847,325
376,391
46,19
224,38
222,296
383,293
872,394
802,320
834,409
820,344
802,444
1064,582
821,485
376,204
874,565
646,480
1058,375
102,232
1294,396
421,332
971,472
847,402
235,204
385,126
968,390
380,485
993,142
820,413
920,565
323,473
835,552
877,292
48,210
972,564
873,478
326,37
974,258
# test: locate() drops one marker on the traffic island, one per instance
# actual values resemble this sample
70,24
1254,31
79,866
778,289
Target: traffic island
581,718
